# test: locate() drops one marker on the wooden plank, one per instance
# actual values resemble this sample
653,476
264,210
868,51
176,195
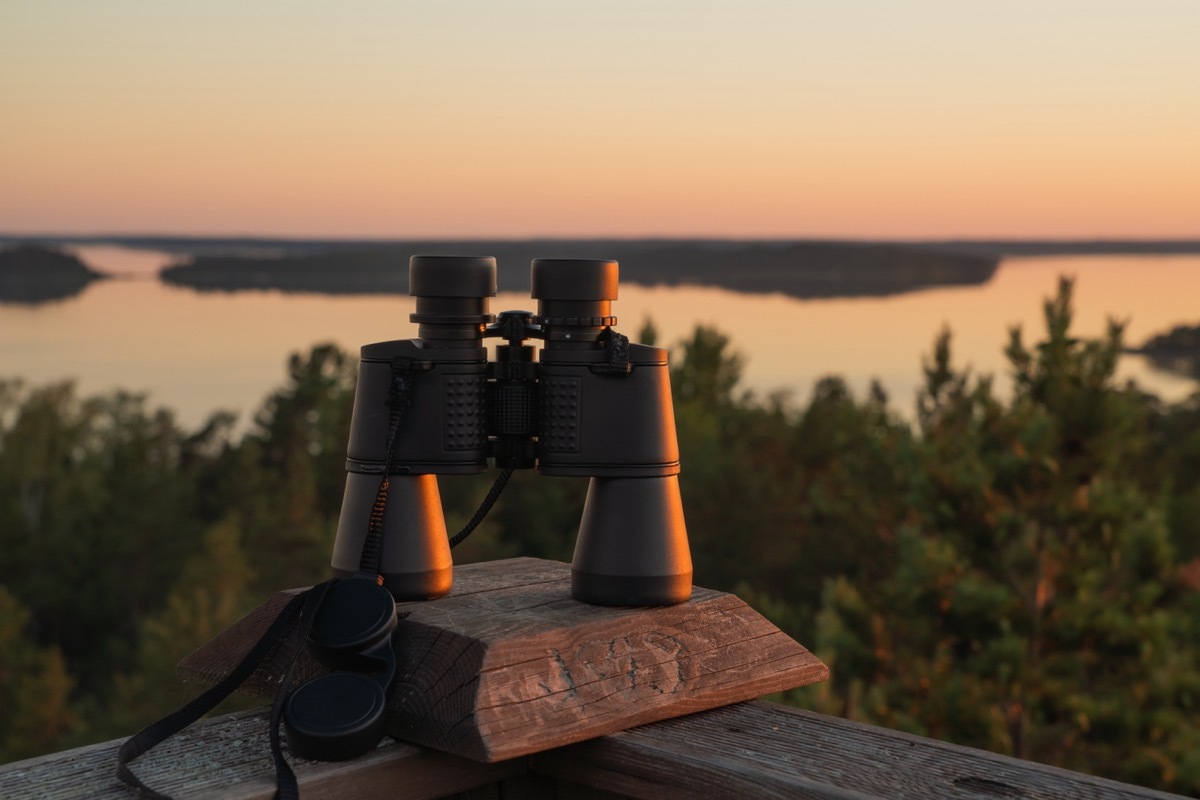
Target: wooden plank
757,749
217,658
764,750
524,671
230,757
509,664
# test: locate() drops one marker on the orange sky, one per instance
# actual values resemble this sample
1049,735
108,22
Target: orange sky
864,118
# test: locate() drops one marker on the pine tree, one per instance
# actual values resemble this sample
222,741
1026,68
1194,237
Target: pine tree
34,688
1030,610
210,594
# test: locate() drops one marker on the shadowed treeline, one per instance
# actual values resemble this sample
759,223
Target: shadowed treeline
800,269
804,268
1017,573
31,274
1176,351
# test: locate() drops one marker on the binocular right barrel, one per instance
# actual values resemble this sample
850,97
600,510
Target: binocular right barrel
608,415
593,405
594,418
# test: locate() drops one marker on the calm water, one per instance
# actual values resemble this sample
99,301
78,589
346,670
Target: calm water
196,352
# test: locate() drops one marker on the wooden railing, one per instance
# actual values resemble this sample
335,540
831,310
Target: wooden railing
750,750
509,688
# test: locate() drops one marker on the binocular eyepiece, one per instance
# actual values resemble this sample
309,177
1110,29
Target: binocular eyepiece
591,405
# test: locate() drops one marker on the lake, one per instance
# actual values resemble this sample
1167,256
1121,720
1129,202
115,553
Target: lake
196,352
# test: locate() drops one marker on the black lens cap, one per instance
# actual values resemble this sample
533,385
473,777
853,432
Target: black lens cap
354,616
335,717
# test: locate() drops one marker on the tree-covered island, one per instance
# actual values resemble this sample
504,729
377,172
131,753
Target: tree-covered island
799,269
1176,351
32,273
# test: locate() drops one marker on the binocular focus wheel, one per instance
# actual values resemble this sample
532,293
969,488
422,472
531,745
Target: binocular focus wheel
335,717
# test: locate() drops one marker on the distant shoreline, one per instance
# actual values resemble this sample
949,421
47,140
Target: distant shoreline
1176,351
806,268
276,244
798,269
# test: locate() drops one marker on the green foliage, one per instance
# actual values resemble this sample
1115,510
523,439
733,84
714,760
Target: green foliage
96,515
707,372
1018,573
290,469
131,542
1033,608
1174,465
209,595
781,501
34,688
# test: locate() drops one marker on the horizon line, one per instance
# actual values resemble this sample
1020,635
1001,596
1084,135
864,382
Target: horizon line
380,239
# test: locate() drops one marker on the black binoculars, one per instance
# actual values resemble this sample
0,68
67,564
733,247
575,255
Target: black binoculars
592,405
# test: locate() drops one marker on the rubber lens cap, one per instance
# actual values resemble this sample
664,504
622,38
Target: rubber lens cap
335,717
354,615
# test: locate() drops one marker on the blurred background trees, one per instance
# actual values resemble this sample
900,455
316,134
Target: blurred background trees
1036,605
1017,573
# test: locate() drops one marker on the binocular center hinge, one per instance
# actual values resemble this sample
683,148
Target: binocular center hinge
514,327
511,370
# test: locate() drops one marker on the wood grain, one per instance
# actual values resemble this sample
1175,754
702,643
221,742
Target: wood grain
764,750
752,750
229,757
509,664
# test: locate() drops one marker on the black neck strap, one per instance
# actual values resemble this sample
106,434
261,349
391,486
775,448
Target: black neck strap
302,609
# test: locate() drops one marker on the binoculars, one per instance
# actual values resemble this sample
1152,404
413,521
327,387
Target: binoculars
590,404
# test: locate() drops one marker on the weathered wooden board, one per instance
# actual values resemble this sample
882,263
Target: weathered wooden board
229,757
757,749
509,664
764,750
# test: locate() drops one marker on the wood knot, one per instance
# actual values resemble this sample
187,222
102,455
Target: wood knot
988,788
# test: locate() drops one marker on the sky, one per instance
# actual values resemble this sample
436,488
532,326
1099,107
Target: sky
389,119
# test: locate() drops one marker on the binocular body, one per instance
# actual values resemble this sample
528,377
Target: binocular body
591,405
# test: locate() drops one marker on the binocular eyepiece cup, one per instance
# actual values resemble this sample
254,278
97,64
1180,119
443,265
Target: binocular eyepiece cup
574,299
452,297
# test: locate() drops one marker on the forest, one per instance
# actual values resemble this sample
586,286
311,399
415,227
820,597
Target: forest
1019,573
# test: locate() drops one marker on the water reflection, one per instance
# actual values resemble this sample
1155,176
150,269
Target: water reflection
123,262
196,352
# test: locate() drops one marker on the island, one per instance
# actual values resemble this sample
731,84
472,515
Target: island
31,274
1177,351
804,269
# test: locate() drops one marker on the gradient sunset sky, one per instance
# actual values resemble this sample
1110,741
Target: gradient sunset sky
381,118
